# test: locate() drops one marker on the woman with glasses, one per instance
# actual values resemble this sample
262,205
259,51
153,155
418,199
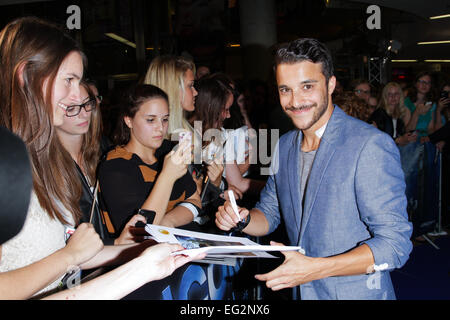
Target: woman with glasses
40,85
80,135
421,102
363,90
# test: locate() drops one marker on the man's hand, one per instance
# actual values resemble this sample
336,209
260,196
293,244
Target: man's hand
294,271
226,218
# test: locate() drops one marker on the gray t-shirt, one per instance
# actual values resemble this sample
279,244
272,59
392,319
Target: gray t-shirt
305,169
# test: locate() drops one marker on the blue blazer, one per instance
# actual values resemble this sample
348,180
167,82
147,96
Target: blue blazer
355,195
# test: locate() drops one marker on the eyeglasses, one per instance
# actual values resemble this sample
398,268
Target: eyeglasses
99,98
74,110
428,83
362,91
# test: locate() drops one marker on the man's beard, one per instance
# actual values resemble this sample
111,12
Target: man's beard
318,112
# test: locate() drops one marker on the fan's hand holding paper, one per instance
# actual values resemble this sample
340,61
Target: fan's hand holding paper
215,246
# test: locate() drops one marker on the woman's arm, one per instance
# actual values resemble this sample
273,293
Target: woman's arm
154,263
175,166
24,282
412,123
234,177
406,117
179,216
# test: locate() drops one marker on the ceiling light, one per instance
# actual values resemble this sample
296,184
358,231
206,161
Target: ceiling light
434,42
437,60
120,39
404,60
440,17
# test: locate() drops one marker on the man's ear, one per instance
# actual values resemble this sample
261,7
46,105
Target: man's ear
331,85
19,73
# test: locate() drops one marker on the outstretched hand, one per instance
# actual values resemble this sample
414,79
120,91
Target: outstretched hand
159,263
294,271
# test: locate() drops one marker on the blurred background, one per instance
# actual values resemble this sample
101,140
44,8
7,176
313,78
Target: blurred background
121,37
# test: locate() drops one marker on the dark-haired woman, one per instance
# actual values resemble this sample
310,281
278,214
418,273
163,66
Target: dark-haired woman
142,172
422,104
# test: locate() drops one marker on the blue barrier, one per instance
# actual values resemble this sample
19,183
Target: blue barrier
194,281
421,165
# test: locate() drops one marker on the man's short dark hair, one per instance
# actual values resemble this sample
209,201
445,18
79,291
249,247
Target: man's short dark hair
306,49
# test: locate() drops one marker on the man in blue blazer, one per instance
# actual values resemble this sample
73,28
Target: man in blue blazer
338,185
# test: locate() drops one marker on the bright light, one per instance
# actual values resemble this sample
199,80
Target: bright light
440,17
404,60
437,60
120,39
434,42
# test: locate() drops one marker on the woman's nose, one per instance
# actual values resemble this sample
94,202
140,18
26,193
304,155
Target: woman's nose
75,93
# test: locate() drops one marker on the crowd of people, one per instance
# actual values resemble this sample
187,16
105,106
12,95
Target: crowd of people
410,115
180,140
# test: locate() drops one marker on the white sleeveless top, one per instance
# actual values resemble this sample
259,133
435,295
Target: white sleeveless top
40,237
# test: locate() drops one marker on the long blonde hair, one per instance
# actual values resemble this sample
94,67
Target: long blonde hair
167,73
399,110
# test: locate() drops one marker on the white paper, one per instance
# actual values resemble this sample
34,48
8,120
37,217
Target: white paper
223,250
215,246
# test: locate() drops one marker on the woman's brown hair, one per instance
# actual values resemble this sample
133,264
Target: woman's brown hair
213,93
132,101
353,105
31,52
90,148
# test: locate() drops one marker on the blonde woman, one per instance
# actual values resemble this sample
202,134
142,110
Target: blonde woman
175,76
392,116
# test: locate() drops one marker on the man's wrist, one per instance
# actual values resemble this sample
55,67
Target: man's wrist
325,267
243,224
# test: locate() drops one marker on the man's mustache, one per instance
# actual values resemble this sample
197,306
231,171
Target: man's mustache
299,108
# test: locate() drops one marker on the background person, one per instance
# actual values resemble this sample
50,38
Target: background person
175,76
392,116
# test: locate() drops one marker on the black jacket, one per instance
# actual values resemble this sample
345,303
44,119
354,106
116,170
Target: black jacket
384,122
441,135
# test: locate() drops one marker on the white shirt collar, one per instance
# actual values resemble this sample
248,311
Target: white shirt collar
319,133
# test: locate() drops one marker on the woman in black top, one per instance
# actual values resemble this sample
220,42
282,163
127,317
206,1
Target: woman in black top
142,172
392,116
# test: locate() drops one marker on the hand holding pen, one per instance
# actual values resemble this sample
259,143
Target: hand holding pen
230,217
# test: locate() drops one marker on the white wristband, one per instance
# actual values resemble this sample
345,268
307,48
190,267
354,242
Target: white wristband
380,267
191,208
